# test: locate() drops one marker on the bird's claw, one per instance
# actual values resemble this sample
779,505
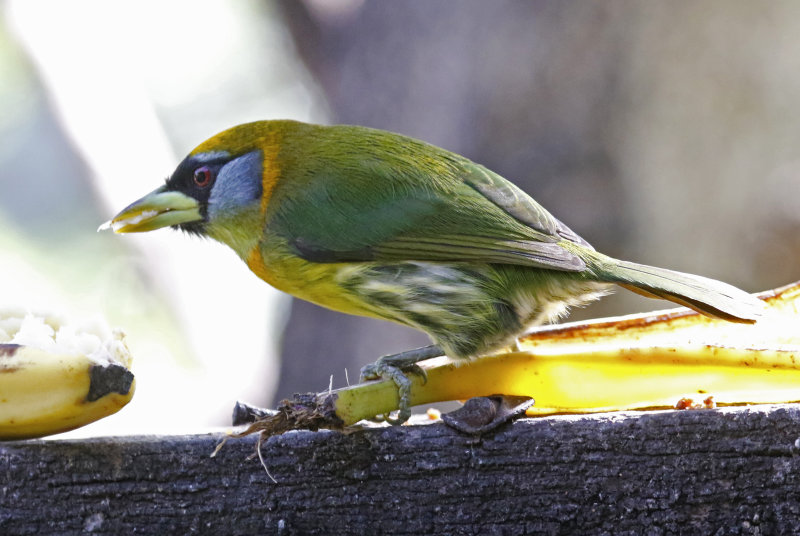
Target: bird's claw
399,375
396,367
383,370
417,370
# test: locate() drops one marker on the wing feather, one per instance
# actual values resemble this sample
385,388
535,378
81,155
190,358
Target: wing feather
403,200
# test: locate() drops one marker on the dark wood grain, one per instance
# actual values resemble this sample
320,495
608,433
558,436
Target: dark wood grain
730,471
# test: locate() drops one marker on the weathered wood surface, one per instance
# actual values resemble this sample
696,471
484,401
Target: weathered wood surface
731,471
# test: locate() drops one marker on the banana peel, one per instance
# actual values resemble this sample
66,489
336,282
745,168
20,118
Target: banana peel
643,361
59,379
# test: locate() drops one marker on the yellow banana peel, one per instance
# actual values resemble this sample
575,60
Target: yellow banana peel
652,360
638,361
59,379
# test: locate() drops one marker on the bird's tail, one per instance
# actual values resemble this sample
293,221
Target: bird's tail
707,296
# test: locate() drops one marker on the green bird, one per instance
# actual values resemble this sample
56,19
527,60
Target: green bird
377,224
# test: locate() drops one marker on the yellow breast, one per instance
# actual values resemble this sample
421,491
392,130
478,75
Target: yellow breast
319,283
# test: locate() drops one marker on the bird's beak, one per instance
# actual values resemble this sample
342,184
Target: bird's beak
160,208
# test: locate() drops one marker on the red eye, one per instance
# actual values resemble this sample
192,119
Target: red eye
203,176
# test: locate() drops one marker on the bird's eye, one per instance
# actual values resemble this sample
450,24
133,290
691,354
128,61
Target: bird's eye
203,176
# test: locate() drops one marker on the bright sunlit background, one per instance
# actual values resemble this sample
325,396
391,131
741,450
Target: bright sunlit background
662,132
100,101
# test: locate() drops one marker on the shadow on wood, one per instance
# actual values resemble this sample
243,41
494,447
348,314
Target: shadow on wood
727,471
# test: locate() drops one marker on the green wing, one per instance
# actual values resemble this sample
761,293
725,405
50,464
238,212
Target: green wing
398,199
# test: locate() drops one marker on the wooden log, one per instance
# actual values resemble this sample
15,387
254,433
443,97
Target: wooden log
725,471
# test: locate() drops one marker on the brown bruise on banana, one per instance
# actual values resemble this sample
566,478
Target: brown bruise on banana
8,349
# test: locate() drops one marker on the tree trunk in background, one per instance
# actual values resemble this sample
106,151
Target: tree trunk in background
647,128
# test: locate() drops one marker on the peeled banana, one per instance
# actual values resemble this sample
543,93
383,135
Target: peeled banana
653,360
55,377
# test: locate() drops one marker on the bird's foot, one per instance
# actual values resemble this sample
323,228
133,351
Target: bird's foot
395,367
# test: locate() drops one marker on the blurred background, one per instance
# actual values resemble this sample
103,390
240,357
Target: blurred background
662,132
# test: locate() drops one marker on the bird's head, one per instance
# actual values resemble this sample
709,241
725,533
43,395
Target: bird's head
215,191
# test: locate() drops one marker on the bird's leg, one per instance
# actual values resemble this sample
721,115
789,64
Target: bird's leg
394,367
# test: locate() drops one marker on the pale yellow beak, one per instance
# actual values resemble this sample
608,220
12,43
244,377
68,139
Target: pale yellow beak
159,208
